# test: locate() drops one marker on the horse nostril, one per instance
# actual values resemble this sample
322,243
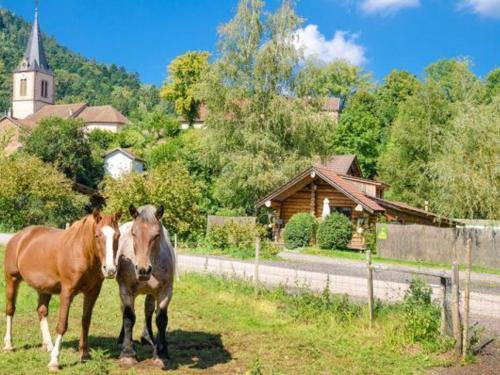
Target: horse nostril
149,270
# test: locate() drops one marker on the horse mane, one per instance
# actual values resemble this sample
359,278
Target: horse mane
79,232
147,213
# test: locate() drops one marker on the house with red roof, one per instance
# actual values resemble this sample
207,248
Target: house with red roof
337,185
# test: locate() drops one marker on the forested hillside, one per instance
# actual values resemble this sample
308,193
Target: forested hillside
78,78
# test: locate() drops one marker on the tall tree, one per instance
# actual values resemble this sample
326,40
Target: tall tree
455,79
184,72
256,137
467,171
338,78
359,132
415,141
64,143
493,83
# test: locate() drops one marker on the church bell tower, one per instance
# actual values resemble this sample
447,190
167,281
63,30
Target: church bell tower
33,80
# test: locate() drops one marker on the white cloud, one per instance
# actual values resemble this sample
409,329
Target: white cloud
388,6
485,8
342,46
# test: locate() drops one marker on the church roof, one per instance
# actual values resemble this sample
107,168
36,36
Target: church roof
34,57
102,114
55,110
98,114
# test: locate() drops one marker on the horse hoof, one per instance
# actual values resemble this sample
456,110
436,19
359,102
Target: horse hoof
159,362
84,357
128,361
53,368
8,348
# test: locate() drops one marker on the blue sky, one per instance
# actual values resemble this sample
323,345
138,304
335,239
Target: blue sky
380,35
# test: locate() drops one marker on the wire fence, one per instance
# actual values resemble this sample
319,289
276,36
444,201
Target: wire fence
387,283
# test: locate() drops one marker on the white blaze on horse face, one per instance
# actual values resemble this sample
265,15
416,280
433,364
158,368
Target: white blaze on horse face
109,233
54,355
8,334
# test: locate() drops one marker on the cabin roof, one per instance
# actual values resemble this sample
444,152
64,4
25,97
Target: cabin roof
329,176
343,164
127,153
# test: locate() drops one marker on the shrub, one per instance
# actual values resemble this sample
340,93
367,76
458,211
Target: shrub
232,237
421,316
269,249
102,139
169,185
334,232
33,192
300,230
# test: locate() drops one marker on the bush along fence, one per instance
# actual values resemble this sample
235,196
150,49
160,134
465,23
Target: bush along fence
455,310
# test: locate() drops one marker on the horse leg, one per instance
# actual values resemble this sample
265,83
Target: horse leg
12,286
43,311
128,355
149,308
88,305
161,350
62,326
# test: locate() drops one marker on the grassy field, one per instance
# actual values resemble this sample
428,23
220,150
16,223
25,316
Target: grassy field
220,326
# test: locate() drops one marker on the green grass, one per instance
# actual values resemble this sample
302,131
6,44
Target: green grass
357,255
233,252
219,325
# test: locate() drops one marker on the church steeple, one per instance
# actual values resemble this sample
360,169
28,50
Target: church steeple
33,81
34,57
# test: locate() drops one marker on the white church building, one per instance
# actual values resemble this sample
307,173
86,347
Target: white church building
33,98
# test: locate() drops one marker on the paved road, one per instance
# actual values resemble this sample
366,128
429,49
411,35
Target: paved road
480,282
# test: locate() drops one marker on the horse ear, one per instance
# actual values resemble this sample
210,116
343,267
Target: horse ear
159,212
96,214
133,211
118,215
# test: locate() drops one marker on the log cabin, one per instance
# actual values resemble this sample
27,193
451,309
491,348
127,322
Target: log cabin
339,183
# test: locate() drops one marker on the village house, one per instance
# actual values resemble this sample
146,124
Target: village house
120,162
33,98
338,185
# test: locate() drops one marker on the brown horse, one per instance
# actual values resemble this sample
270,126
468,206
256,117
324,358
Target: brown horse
65,262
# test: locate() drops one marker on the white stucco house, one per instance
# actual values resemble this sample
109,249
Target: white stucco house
120,162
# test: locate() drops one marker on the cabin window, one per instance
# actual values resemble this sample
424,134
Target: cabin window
23,88
347,211
45,89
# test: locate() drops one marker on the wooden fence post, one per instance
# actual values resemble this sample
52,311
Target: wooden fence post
455,310
465,344
257,256
446,326
370,286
